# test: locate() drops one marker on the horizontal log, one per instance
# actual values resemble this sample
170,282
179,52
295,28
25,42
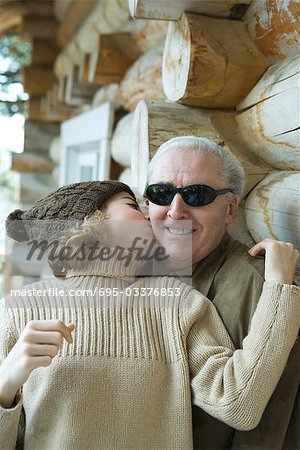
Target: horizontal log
275,27
156,122
39,27
31,162
210,62
126,176
110,61
143,79
55,149
12,13
44,52
10,18
37,79
238,229
36,8
38,136
35,186
272,208
164,9
268,118
34,108
121,141
256,169
110,93
54,113
61,8
111,16
73,18
148,33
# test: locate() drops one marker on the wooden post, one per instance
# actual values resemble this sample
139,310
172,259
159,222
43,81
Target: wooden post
164,9
143,79
210,62
275,27
268,118
272,208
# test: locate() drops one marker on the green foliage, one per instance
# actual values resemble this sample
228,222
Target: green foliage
8,182
14,55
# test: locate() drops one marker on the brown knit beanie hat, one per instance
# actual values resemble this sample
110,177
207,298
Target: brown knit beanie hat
69,203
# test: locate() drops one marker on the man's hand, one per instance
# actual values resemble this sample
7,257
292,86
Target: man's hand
38,344
280,259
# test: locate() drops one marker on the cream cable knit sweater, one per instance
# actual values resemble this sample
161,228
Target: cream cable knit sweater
127,380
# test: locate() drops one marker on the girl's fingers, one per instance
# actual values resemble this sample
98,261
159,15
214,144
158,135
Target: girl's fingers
42,350
71,326
43,337
257,249
51,326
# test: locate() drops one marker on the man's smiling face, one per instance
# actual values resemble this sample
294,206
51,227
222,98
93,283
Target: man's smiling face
182,167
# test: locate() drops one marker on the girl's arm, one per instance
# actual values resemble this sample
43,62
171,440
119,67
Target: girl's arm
37,345
235,386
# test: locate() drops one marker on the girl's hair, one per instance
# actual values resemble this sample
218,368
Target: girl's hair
89,231
233,169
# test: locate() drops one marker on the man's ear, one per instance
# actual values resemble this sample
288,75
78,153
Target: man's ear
232,209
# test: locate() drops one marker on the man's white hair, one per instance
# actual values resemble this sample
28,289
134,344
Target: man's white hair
233,169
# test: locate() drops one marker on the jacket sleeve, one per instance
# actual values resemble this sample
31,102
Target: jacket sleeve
10,419
235,386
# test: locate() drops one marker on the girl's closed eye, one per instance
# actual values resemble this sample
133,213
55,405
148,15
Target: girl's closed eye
134,205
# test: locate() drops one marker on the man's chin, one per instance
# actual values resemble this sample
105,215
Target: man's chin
178,258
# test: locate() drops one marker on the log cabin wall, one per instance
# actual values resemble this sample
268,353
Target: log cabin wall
226,69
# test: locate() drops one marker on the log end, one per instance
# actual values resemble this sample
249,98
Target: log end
140,147
132,7
176,59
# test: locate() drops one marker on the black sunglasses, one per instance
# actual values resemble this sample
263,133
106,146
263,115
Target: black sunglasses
194,194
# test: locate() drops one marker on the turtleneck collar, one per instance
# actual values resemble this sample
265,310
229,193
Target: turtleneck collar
113,262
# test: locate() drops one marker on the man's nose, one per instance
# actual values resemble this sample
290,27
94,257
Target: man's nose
178,209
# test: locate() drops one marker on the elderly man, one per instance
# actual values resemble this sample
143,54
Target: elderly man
194,179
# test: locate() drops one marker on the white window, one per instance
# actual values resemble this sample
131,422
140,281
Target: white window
86,146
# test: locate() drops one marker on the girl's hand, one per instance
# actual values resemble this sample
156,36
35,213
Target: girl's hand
38,344
280,259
